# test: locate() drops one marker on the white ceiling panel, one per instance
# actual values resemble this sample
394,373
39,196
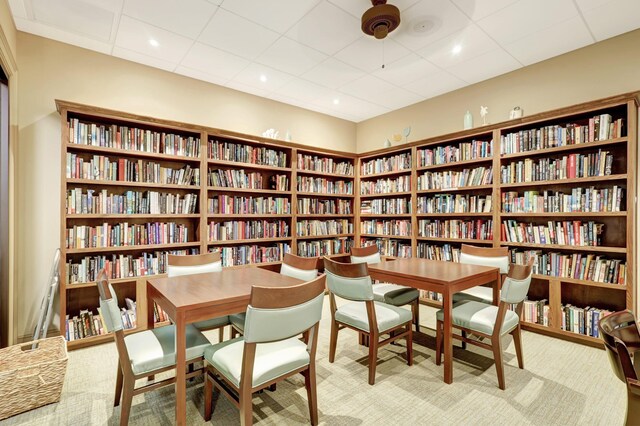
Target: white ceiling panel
80,17
405,70
136,36
326,28
395,98
555,40
302,90
186,17
368,54
485,66
214,61
262,77
132,56
472,42
246,88
478,9
290,56
200,75
238,35
18,9
612,18
435,84
63,36
332,73
366,87
277,15
358,7
351,105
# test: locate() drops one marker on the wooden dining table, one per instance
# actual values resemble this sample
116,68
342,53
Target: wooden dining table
190,298
442,277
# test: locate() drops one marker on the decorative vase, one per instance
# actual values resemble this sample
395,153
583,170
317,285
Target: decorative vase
468,120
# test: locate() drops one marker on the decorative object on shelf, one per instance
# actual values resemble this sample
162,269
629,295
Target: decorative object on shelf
287,136
468,120
387,143
406,132
516,112
397,137
271,133
381,19
483,113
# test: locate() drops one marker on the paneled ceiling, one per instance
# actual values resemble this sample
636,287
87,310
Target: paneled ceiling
312,54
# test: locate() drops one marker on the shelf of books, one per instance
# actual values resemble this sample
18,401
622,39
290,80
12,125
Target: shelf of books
325,184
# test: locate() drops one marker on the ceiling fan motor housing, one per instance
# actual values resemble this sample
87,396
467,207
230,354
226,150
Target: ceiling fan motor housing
381,19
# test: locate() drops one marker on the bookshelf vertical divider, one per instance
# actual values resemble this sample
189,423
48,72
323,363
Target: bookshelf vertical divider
294,201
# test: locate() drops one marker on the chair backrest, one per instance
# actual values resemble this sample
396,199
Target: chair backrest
617,330
348,280
278,313
516,285
109,304
368,254
486,256
302,268
193,264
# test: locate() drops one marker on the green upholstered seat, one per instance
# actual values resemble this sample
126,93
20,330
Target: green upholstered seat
392,294
480,317
477,294
387,316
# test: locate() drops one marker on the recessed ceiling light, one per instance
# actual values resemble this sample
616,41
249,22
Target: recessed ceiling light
154,42
456,49
263,78
336,101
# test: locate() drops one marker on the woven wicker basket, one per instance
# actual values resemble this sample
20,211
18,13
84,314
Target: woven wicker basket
31,378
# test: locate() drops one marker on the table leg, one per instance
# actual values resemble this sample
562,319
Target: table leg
496,288
447,300
150,322
181,380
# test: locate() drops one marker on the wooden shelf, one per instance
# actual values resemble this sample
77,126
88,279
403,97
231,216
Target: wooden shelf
94,340
563,334
460,189
566,214
438,215
133,184
248,241
560,149
374,215
133,248
388,194
323,174
248,216
252,265
588,180
581,282
456,164
132,153
133,216
385,174
455,240
248,190
240,165
596,249
318,194
115,281
391,237
431,302
329,216
323,237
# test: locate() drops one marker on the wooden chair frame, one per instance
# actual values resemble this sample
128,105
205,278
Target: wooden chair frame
241,396
415,305
517,272
403,331
125,377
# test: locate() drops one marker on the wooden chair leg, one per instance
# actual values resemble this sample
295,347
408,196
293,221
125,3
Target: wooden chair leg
273,387
312,396
151,377
517,341
116,399
127,399
497,356
221,334
333,341
246,410
208,397
464,344
409,346
373,358
439,341
415,308
234,332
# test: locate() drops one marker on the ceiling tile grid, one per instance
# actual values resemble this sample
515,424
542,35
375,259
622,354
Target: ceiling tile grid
312,53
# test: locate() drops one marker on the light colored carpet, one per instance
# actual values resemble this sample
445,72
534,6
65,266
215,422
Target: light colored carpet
562,384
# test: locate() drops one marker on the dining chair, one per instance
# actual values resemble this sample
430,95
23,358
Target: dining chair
490,322
497,257
145,353
303,268
392,294
178,265
351,281
270,349
621,336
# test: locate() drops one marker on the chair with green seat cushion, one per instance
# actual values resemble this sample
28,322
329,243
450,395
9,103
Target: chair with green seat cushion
351,281
302,268
484,256
199,264
392,294
270,349
145,353
491,322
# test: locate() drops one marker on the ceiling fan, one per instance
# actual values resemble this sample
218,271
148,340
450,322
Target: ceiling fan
381,19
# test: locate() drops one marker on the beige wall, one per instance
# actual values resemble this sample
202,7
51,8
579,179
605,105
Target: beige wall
52,70
607,68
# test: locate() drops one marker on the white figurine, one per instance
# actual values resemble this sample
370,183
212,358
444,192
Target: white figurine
483,113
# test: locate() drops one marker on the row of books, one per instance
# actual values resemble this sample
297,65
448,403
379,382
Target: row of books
249,229
453,153
125,234
400,228
444,252
450,179
88,324
386,206
431,296
241,153
251,254
130,202
386,186
238,178
598,128
317,248
120,265
319,206
479,229
567,167
579,200
393,163
535,312
313,163
100,167
582,320
306,228
324,186
589,267
159,315
234,204
458,203
574,233
388,247
132,139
